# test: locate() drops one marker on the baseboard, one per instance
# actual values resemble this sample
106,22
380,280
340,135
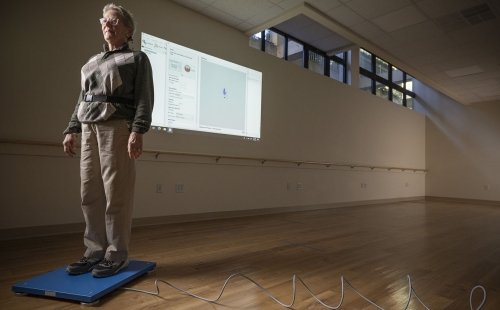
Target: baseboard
463,200
49,230
183,218
40,231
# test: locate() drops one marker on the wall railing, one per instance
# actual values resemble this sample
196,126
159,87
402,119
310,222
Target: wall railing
218,157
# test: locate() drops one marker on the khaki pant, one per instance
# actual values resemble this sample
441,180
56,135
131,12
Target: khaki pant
107,188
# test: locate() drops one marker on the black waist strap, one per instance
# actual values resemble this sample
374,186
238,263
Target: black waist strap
112,99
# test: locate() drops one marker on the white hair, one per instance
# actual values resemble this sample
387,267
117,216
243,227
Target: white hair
128,19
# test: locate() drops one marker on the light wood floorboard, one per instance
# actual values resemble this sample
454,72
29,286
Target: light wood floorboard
447,248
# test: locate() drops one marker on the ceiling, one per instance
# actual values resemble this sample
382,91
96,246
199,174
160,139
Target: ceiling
451,45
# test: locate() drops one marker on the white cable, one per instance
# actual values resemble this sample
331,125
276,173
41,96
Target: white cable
343,283
472,293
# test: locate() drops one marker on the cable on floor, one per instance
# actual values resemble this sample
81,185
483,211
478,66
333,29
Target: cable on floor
295,279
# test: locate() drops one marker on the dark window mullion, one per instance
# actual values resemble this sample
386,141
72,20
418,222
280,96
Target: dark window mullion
389,76
286,47
306,57
326,66
374,72
338,59
404,88
263,41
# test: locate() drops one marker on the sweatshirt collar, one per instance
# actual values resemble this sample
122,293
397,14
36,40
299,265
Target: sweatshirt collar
121,48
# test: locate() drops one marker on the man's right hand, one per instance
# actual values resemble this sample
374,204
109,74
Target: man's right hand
69,144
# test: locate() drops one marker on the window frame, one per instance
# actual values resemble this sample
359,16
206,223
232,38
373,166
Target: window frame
387,82
307,48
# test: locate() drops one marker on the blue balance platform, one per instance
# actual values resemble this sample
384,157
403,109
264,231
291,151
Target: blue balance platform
83,288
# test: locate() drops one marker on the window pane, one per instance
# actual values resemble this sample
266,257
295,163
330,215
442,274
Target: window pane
255,40
382,90
397,76
336,71
409,82
397,97
365,59
295,52
340,55
382,68
275,44
409,102
316,62
365,83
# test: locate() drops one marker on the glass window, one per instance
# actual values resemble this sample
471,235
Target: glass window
295,53
316,62
382,68
275,44
382,90
409,82
409,102
397,97
340,55
365,59
397,76
255,40
336,71
365,83
390,82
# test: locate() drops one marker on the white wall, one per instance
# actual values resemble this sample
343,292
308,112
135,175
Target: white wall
305,116
463,146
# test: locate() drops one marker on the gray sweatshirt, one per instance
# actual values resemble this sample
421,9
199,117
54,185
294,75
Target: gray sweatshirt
119,73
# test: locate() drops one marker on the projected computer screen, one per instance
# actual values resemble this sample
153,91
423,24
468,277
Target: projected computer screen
200,92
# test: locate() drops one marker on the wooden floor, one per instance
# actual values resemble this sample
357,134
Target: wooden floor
446,248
